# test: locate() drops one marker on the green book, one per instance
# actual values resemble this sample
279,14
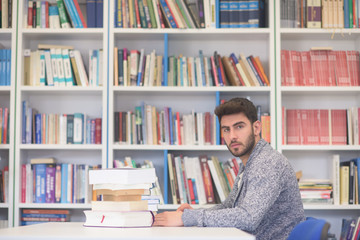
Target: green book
38,14
142,14
152,14
64,20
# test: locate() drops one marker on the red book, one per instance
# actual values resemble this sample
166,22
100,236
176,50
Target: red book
283,67
98,131
5,125
289,73
137,13
214,70
294,68
352,61
305,123
191,191
338,127
207,128
319,60
332,65
307,69
23,183
236,166
80,13
293,126
242,83
178,127
30,15
341,68
259,70
313,132
47,14
160,15
209,192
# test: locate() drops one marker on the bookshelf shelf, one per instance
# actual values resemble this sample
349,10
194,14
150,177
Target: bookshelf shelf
4,146
4,205
318,89
61,147
5,89
255,31
61,90
331,207
170,147
6,31
67,31
191,89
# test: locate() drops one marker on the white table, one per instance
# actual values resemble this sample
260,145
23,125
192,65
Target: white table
76,230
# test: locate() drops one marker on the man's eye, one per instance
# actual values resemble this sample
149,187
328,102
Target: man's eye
239,126
225,130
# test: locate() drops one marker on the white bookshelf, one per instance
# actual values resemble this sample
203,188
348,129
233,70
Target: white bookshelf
315,161
91,101
7,99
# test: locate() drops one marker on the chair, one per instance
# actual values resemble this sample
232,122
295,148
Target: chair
311,229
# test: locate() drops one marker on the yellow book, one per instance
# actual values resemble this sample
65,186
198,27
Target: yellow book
344,185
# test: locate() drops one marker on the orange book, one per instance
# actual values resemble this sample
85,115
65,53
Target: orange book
265,125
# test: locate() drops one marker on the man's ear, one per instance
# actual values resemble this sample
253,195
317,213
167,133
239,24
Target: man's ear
257,128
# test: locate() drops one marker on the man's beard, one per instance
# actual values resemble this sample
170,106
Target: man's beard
249,145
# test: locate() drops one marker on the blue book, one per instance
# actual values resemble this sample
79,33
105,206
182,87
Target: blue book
202,66
357,163
234,18
2,80
168,14
44,215
195,191
71,10
64,180
253,13
38,128
42,68
248,59
8,67
99,13
224,13
23,125
141,64
244,14
88,131
91,13
40,182
346,14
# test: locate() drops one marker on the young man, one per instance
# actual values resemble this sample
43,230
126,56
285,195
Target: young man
265,200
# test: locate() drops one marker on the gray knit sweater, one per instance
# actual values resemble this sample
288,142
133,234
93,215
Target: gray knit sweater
267,203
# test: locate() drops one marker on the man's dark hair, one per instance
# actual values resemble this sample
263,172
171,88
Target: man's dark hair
237,105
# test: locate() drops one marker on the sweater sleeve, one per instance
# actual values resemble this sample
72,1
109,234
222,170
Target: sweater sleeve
262,188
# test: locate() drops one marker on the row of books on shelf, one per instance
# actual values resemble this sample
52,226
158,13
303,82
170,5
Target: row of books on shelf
52,128
345,180
136,68
125,197
4,185
63,14
320,68
5,67
350,228
319,14
147,125
4,125
36,216
43,180
321,126
189,14
56,65
316,191
6,14
200,180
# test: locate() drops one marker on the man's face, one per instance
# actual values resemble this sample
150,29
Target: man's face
239,134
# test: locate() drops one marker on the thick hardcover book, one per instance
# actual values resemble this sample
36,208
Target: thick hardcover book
91,13
122,175
99,13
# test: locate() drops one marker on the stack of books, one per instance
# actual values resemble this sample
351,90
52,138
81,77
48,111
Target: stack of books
120,201
316,191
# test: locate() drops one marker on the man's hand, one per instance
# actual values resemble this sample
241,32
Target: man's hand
183,207
169,219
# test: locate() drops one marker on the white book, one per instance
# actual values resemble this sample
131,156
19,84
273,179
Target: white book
249,69
49,70
81,67
147,70
78,128
125,176
100,68
207,14
152,68
42,68
199,180
54,66
192,75
349,124
216,180
149,132
62,128
128,127
4,13
212,14
60,67
69,81
180,179
29,184
141,64
200,128
91,70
